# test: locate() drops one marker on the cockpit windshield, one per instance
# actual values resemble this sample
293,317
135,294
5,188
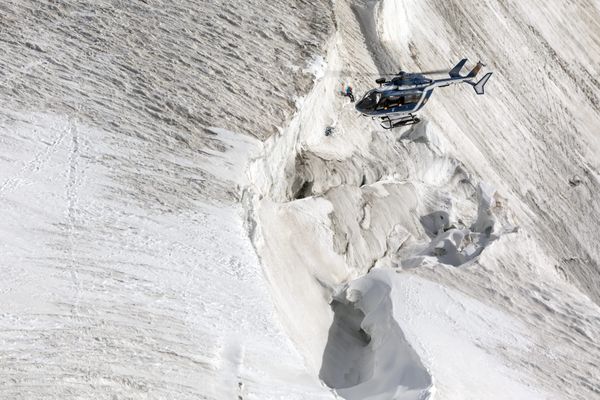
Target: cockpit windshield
369,100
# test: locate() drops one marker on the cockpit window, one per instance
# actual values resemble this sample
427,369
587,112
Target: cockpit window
370,100
375,100
390,101
412,98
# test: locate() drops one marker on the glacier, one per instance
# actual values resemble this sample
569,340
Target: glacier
176,224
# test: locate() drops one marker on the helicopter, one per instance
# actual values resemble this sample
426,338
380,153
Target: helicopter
396,100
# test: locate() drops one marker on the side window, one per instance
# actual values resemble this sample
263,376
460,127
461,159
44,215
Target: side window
412,98
392,101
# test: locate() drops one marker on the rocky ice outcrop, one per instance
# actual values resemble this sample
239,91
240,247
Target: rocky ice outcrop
367,355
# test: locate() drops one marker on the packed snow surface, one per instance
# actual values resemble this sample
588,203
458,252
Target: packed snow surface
175,224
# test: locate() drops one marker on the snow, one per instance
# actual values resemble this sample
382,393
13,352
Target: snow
228,165
176,223
454,334
367,355
106,296
317,67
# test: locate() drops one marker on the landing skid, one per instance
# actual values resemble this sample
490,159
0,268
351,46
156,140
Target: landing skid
388,123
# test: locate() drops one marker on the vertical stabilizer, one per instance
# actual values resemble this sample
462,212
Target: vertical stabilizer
479,86
455,72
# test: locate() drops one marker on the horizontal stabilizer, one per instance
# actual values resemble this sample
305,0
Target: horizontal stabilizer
455,72
479,86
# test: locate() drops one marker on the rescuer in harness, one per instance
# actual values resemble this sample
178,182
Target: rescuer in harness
347,91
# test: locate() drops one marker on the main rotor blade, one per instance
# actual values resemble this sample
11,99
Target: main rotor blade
353,73
375,74
436,71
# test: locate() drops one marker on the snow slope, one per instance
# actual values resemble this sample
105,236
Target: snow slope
175,223
128,271
536,130
105,296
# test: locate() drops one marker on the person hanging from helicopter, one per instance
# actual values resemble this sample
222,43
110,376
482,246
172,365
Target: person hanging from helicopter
347,91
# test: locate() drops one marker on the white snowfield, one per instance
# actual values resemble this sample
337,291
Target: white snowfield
159,241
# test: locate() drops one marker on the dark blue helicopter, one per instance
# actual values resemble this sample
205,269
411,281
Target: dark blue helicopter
396,100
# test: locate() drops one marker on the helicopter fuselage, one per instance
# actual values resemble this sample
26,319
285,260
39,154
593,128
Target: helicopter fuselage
395,101
377,103
402,95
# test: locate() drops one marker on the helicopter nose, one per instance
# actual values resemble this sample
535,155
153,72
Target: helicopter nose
360,106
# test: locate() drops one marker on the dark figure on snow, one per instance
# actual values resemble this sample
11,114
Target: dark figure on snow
349,93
